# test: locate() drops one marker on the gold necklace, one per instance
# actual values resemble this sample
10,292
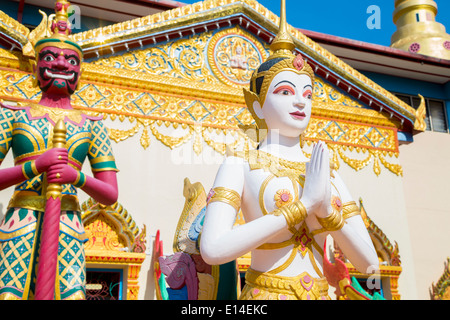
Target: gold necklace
277,166
54,114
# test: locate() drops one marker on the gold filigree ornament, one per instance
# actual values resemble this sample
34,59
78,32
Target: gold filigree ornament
421,114
234,54
184,58
41,31
377,156
123,93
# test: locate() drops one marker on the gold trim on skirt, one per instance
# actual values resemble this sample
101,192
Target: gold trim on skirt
266,286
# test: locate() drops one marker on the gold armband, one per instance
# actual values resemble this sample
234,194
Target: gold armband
350,209
294,213
333,222
226,195
29,170
80,182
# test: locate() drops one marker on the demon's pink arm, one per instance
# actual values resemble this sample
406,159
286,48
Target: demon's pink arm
14,175
102,187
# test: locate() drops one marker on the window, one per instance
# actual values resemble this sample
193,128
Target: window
103,284
370,287
436,118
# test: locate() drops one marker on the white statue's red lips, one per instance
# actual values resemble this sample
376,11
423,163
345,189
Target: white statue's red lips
298,115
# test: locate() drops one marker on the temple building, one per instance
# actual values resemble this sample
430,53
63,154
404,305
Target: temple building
168,78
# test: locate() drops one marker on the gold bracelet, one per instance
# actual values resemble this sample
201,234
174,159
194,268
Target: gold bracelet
294,213
80,181
29,170
350,209
333,222
24,172
33,167
226,195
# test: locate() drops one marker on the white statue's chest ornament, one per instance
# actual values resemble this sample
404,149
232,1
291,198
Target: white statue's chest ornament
281,181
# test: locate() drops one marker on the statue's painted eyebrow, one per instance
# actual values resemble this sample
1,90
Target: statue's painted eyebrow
54,54
308,85
283,82
43,53
67,56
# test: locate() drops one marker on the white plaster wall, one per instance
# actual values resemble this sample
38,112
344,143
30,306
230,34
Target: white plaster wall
427,187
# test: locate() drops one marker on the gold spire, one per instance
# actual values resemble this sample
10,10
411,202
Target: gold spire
417,29
61,23
282,45
54,29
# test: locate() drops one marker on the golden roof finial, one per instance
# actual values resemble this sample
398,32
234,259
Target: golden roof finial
282,45
61,23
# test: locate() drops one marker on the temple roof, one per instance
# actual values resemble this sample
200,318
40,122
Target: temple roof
249,15
254,18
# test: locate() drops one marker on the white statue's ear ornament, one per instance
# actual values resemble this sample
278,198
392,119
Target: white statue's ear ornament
255,108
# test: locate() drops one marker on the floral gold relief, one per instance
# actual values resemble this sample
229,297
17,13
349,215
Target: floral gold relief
190,91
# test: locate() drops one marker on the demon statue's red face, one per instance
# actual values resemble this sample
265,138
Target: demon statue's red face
58,70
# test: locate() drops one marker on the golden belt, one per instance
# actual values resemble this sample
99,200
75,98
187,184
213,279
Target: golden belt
23,199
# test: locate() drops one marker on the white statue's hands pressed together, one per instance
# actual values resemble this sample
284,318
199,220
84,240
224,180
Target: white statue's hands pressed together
317,189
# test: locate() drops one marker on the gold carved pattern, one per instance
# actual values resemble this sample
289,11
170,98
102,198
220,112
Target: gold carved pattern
372,143
103,235
184,58
112,226
324,92
208,113
234,54
217,8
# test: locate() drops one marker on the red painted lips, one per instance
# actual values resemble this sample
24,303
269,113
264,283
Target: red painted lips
298,115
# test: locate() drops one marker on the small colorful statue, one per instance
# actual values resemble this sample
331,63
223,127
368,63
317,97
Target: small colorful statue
42,235
290,202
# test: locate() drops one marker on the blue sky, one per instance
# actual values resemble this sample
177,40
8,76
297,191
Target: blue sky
346,19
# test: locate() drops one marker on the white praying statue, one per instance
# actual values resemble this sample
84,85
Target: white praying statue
290,202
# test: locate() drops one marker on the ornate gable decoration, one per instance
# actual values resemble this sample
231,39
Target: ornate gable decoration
227,55
108,227
441,290
114,241
179,79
